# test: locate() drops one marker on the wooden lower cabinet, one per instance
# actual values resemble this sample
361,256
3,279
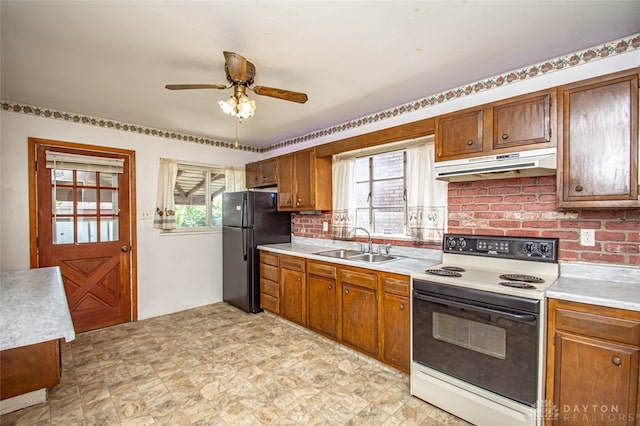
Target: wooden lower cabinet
593,364
359,310
29,368
395,320
322,298
270,282
293,289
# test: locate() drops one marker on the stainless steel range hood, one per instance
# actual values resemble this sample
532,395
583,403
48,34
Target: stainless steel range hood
538,162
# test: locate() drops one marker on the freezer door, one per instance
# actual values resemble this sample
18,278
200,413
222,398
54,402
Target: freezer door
237,271
236,209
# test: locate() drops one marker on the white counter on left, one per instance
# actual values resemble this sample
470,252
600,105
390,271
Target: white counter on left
34,308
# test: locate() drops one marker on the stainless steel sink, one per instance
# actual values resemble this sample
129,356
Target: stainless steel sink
340,253
373,258
357,256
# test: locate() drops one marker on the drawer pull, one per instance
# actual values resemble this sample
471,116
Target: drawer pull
616,360
579,188
505,136
329,286
298,279
346,292
469,142
401,306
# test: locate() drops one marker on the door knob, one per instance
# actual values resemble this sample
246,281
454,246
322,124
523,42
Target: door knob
124,249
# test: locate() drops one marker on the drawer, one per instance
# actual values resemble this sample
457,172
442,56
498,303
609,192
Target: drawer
269,272
396,285
292,263
270,287
268,258
601,326
270,303
362,279
322,270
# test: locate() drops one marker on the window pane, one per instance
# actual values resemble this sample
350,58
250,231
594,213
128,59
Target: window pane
109,180
62,201
191,216
362,218
388,193
362,169
216,211
190,187
63,230
109,202
62,176
86,201
388,165
87,230
86,178
388,221
362,194
109,229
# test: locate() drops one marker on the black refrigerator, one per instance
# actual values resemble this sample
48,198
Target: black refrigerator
249,219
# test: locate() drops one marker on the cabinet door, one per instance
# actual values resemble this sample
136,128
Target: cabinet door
594,373
292,296
459,134
599,148
267,172
396,325
360,318
285,182
304,179
526,121
322,305
252,172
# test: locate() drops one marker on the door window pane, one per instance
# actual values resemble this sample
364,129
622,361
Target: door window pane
86,201
109,229
63,230
62,176
86,178
109,202
87,230
109,180
62,200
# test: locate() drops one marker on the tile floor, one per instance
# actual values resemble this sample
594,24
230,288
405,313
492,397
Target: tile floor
217,365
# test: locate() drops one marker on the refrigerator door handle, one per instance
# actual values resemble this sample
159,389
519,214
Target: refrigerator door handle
244,243
243,212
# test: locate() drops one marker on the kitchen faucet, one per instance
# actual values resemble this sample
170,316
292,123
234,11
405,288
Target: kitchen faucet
368,237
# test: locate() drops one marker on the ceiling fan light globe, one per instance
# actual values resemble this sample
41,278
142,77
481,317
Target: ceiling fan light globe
229,106
246,107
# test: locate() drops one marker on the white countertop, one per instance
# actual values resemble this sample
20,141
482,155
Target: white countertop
34,308
404,265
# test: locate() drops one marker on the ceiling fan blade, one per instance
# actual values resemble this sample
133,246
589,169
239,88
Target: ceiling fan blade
238,68
195,86
286,95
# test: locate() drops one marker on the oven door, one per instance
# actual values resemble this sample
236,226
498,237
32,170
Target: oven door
489,345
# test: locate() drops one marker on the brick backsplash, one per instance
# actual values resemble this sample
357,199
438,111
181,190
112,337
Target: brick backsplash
527,207
523,207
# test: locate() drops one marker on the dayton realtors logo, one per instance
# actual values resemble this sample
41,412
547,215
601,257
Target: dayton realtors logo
584,413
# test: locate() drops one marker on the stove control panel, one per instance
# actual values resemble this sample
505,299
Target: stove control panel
523,248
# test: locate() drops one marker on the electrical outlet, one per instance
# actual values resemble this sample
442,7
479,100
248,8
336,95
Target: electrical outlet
325,226
587,237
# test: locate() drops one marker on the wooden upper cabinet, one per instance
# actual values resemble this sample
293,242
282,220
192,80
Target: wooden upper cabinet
304,181
261,173
521,123
599,142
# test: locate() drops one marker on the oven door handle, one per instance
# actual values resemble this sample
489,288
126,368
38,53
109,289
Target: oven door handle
474,308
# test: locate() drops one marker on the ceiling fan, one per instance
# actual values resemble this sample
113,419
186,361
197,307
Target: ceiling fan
240,75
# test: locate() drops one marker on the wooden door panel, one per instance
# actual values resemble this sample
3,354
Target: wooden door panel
94,252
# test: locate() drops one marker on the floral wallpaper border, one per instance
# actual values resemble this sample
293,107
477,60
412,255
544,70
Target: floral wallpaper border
616,47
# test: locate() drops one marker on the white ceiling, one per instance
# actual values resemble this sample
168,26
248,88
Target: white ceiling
353,58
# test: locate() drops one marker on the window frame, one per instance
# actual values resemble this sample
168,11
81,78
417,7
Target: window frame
208,170
371,208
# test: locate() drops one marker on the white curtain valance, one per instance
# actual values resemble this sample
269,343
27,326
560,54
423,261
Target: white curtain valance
85,163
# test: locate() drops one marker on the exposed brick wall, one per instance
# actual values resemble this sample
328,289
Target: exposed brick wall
523,207
527,207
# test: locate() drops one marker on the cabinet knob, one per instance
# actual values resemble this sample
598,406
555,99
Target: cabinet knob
469,142
579,188
346,292
330,287
299,279
401,306
616,360
505,136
